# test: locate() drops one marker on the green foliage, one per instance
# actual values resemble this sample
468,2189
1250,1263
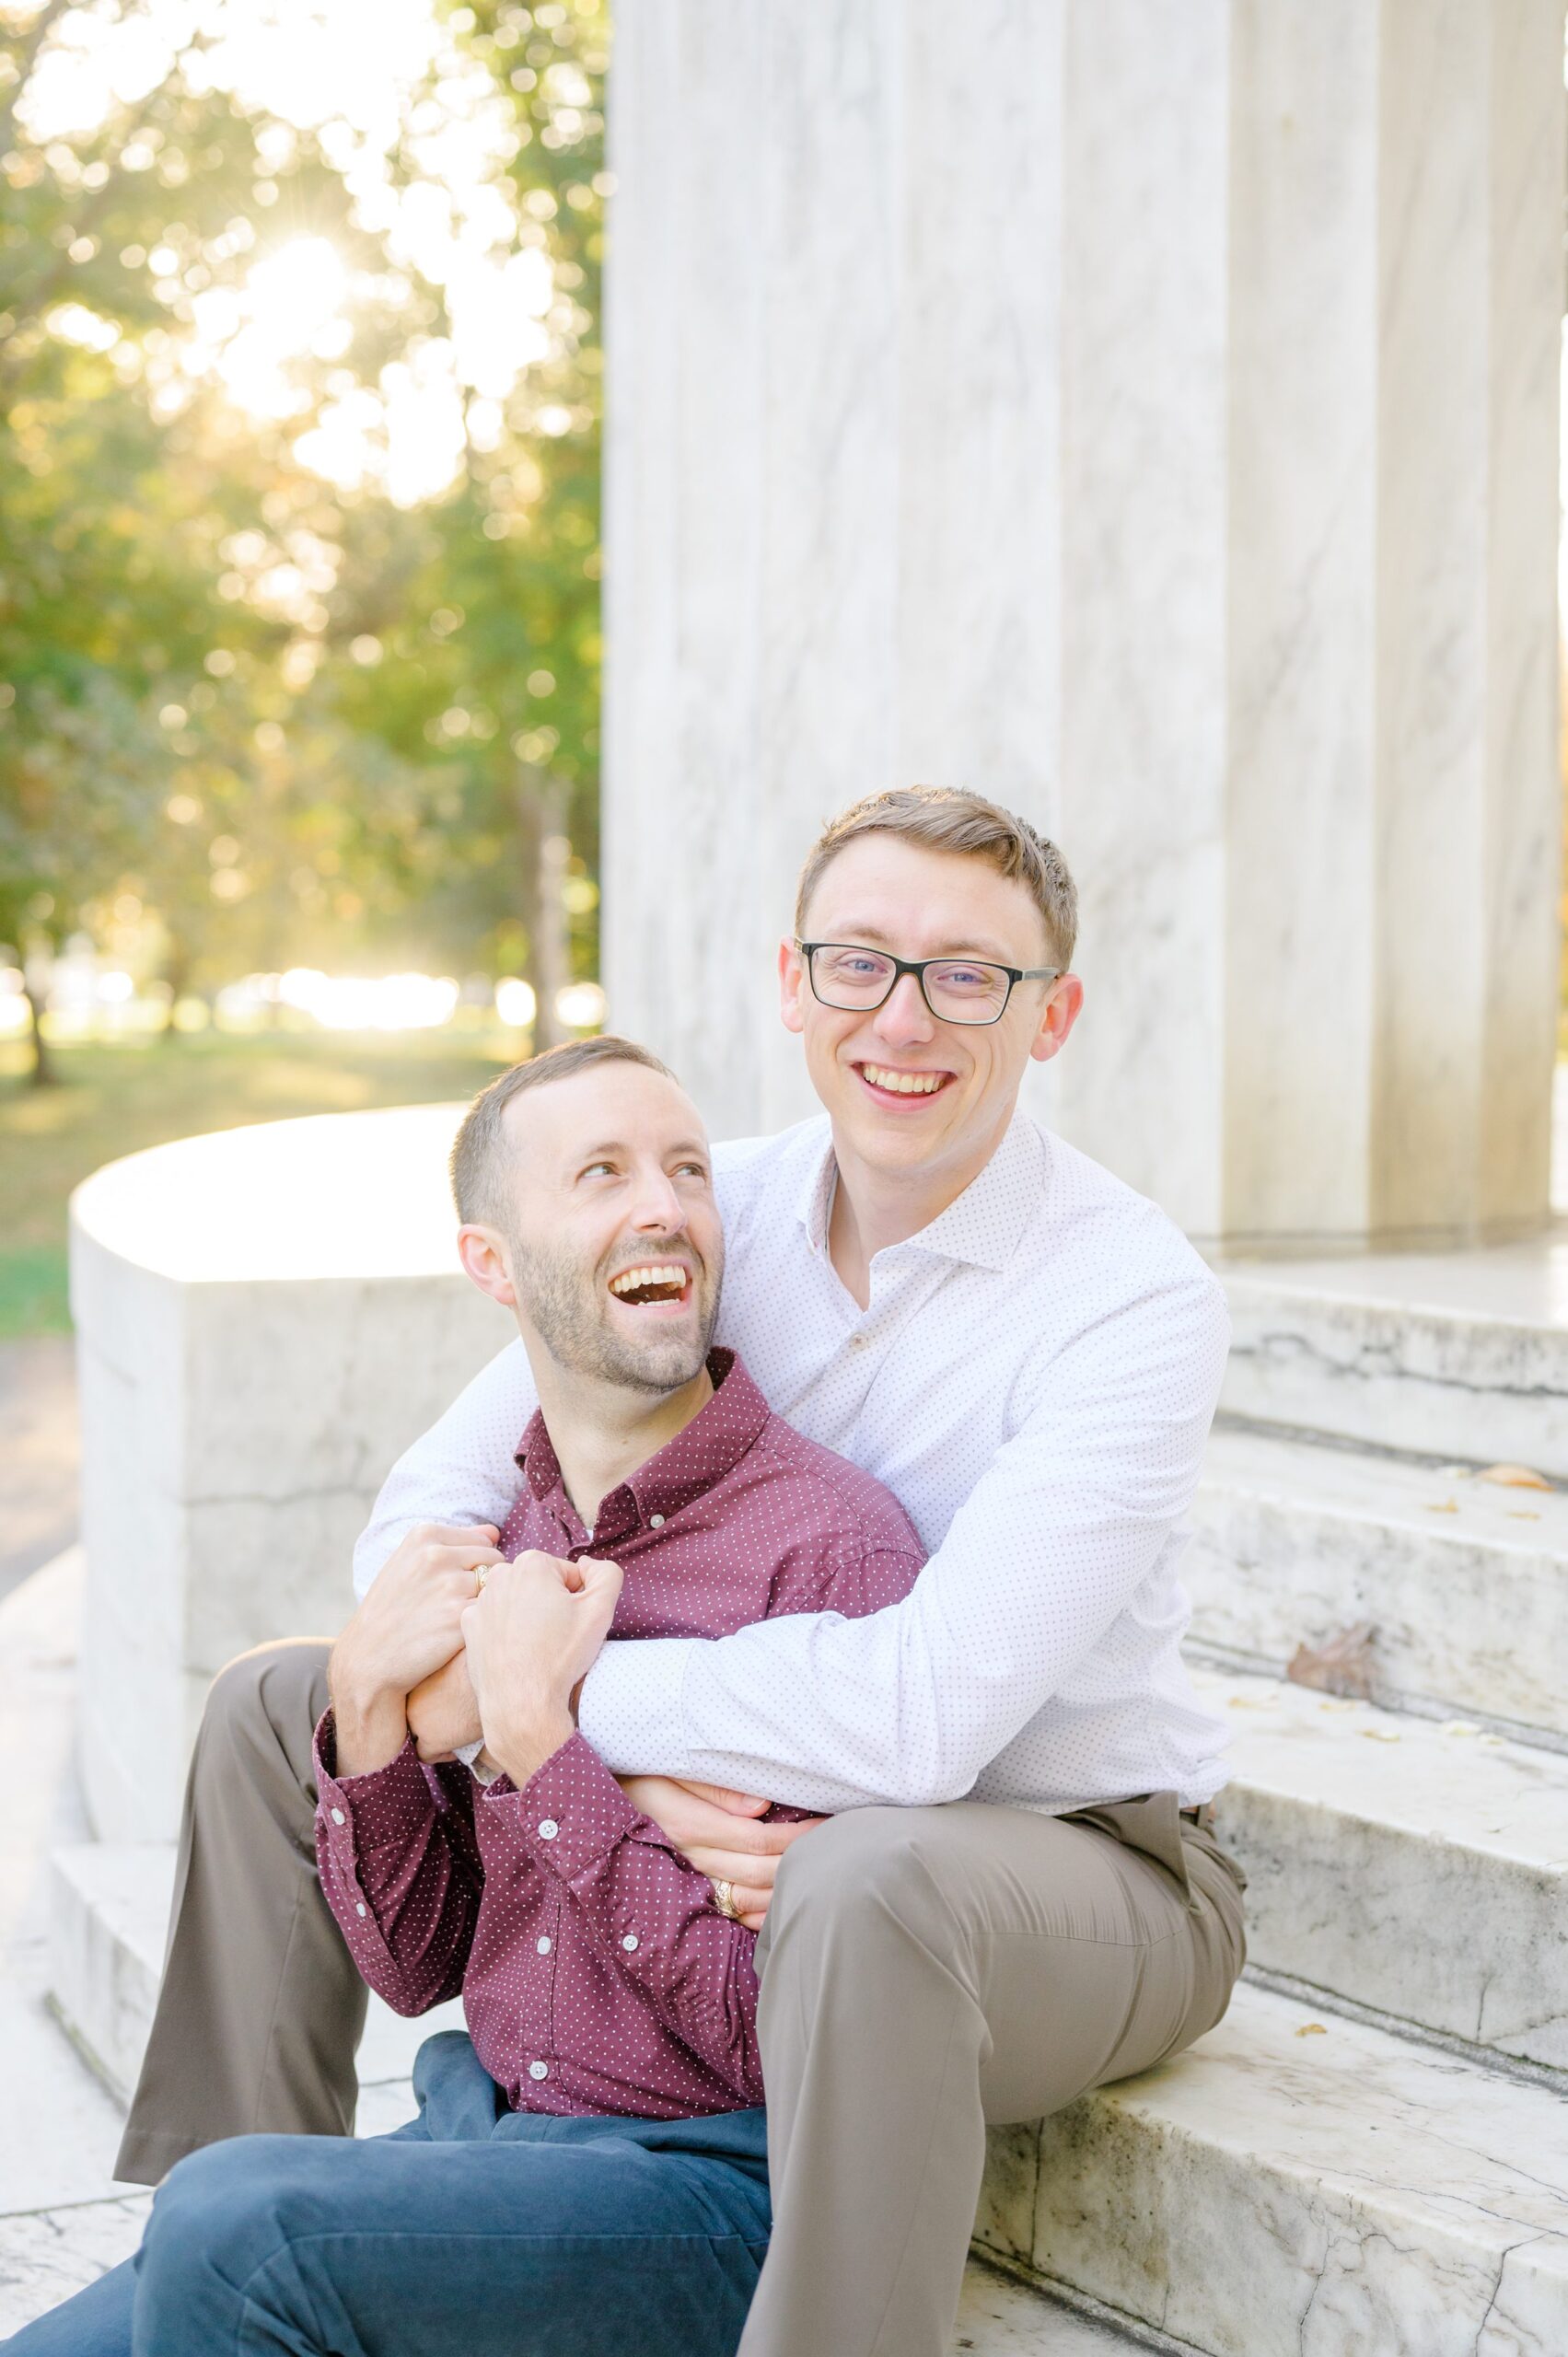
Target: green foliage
376,765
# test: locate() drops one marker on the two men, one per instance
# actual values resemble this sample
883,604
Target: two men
1017,1898
598,2132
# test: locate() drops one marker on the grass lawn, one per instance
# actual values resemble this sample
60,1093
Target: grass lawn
114,1100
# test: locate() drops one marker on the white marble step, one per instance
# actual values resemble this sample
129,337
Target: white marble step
1302,2185
1461,1354
1415,1867
1466,1584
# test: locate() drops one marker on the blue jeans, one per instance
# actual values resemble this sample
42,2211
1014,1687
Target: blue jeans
474,2231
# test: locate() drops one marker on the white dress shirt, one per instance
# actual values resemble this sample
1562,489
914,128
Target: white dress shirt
1034,1378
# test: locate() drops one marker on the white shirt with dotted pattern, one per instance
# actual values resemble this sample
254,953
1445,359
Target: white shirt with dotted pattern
1034,1378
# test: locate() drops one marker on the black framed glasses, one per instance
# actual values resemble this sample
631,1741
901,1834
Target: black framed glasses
957,990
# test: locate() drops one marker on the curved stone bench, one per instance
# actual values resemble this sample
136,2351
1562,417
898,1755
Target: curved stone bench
265,1317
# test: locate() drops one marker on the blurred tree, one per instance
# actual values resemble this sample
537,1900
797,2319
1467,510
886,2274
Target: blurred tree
287,706
471,629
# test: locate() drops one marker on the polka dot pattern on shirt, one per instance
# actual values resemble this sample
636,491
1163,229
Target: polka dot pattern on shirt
597,1974
1034,1379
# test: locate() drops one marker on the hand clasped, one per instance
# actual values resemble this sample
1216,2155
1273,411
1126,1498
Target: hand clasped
530,1638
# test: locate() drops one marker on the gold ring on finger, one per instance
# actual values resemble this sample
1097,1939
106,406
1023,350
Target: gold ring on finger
724,1900
479,1579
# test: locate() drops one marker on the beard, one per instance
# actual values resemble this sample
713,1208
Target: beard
568,1307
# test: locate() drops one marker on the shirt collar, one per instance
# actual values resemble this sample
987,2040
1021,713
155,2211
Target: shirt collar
815,1200
984,1226
710,1447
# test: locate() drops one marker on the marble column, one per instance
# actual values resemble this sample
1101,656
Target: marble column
1147,415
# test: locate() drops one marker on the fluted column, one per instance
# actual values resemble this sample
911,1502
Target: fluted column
1147,415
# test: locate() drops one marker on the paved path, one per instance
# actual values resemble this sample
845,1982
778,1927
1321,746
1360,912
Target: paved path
38,1454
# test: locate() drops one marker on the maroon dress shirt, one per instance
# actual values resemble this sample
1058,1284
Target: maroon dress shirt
596,1973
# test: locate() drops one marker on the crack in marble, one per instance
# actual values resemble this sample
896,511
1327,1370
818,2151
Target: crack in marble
1374,1365
1496,2289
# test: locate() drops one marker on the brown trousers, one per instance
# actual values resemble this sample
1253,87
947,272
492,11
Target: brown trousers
923,1972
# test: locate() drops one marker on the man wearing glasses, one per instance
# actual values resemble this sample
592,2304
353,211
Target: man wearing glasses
1014,1895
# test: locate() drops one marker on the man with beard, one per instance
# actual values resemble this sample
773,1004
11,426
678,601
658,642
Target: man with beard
1016,1895
588,2168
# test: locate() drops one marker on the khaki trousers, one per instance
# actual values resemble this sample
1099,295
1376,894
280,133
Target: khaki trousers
923,1972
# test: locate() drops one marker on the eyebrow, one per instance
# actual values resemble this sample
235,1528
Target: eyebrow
620,1146
875,938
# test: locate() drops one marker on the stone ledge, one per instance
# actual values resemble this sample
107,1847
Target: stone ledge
265,1318
1461,1354
1293,1539
1417,1869
1286,2189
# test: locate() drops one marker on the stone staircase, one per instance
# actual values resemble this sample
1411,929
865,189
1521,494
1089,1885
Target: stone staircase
1369,2156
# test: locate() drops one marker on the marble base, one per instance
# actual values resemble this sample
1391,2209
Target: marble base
1461,1355
1286,2191
1466,1584
265,1318
1417,1868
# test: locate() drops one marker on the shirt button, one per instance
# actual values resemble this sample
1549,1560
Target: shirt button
337,1817
360,1908
548,1829
655,1522
545,1945
858,1341
630,1942
538,2070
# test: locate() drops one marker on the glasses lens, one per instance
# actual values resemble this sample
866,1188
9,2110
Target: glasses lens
962,992
846,977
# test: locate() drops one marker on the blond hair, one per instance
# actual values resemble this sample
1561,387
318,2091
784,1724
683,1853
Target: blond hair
946,818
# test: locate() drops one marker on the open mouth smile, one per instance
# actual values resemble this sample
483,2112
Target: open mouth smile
652,1285
894,1087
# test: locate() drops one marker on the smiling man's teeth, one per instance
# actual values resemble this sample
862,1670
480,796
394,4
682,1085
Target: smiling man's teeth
905,1083
661,1279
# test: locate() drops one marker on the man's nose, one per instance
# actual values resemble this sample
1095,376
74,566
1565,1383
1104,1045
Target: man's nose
658,1207
903,1020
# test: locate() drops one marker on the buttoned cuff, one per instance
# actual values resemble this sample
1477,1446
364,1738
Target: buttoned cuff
361,1812
570,1814
632,1709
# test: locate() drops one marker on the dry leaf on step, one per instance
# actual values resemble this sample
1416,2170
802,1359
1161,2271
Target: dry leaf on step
1341,1665
1514,1477
1444,1505
1312,2029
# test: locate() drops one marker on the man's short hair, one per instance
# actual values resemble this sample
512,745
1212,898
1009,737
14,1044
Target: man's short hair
945,818
479,1150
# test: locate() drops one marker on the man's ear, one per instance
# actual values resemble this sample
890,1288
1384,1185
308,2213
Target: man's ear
484,1255
792,985
1057,1015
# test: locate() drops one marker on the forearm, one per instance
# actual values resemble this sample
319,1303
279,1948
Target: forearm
461,1470
400,1876
908,1705
652,1914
